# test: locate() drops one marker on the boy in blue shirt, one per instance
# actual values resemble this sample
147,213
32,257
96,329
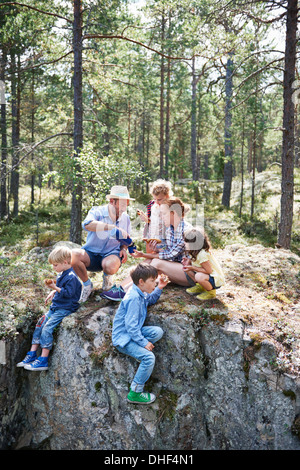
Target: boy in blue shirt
65,300
129,335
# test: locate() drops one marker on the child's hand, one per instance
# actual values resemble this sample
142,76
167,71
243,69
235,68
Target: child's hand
149,346
142,216
50,296
162,281
188,268
52,285
137,254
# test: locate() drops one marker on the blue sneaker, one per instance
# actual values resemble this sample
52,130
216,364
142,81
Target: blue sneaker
115,293
30,357
41,363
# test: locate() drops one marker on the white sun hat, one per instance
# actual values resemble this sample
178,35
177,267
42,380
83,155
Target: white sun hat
119,192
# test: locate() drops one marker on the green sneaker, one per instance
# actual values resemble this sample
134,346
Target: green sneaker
195,289
141,398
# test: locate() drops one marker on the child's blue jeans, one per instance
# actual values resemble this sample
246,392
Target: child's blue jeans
146,358
43,333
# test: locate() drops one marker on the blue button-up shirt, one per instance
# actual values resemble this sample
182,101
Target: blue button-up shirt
131,315
104,241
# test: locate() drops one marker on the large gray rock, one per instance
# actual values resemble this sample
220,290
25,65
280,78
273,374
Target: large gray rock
226,373
215,387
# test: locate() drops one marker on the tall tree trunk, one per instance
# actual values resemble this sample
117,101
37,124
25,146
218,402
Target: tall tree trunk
33,171
162,104
287,157
168,98
249,160
253,171
242,168
129,127
199,134
297,140
15,133
76,209
228,144
3,196
254,153
167,136
194,124
148,148
106,133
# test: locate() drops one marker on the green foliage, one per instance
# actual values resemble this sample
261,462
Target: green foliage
122,92
97,173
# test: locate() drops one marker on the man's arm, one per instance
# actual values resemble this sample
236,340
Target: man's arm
95,225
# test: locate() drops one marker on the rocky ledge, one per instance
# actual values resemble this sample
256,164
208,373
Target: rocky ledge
226,373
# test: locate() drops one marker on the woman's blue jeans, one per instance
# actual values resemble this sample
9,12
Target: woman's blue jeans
146,358
43,333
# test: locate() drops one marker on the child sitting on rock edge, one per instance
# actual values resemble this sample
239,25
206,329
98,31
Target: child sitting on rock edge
65,300
201,265
130,337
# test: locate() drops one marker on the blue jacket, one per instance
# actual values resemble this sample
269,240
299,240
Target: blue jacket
131,316
70,292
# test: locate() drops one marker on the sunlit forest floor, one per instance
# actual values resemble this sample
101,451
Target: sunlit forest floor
262,282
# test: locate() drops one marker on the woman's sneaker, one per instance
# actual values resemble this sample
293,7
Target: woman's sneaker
41,363
210,294
30,357
141,398
197,289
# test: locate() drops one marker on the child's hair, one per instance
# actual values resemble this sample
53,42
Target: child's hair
143,271
175,204
161,186
199,241
60,254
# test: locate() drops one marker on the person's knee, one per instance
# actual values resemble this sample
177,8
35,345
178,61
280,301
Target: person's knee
156,262
200,277
80,258
150,359
76,257
160,333
40,321
111,266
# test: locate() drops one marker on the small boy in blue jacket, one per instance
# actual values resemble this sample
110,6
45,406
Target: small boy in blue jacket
65,300
130,337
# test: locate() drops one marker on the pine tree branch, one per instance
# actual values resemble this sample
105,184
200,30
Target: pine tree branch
37,9
117,36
